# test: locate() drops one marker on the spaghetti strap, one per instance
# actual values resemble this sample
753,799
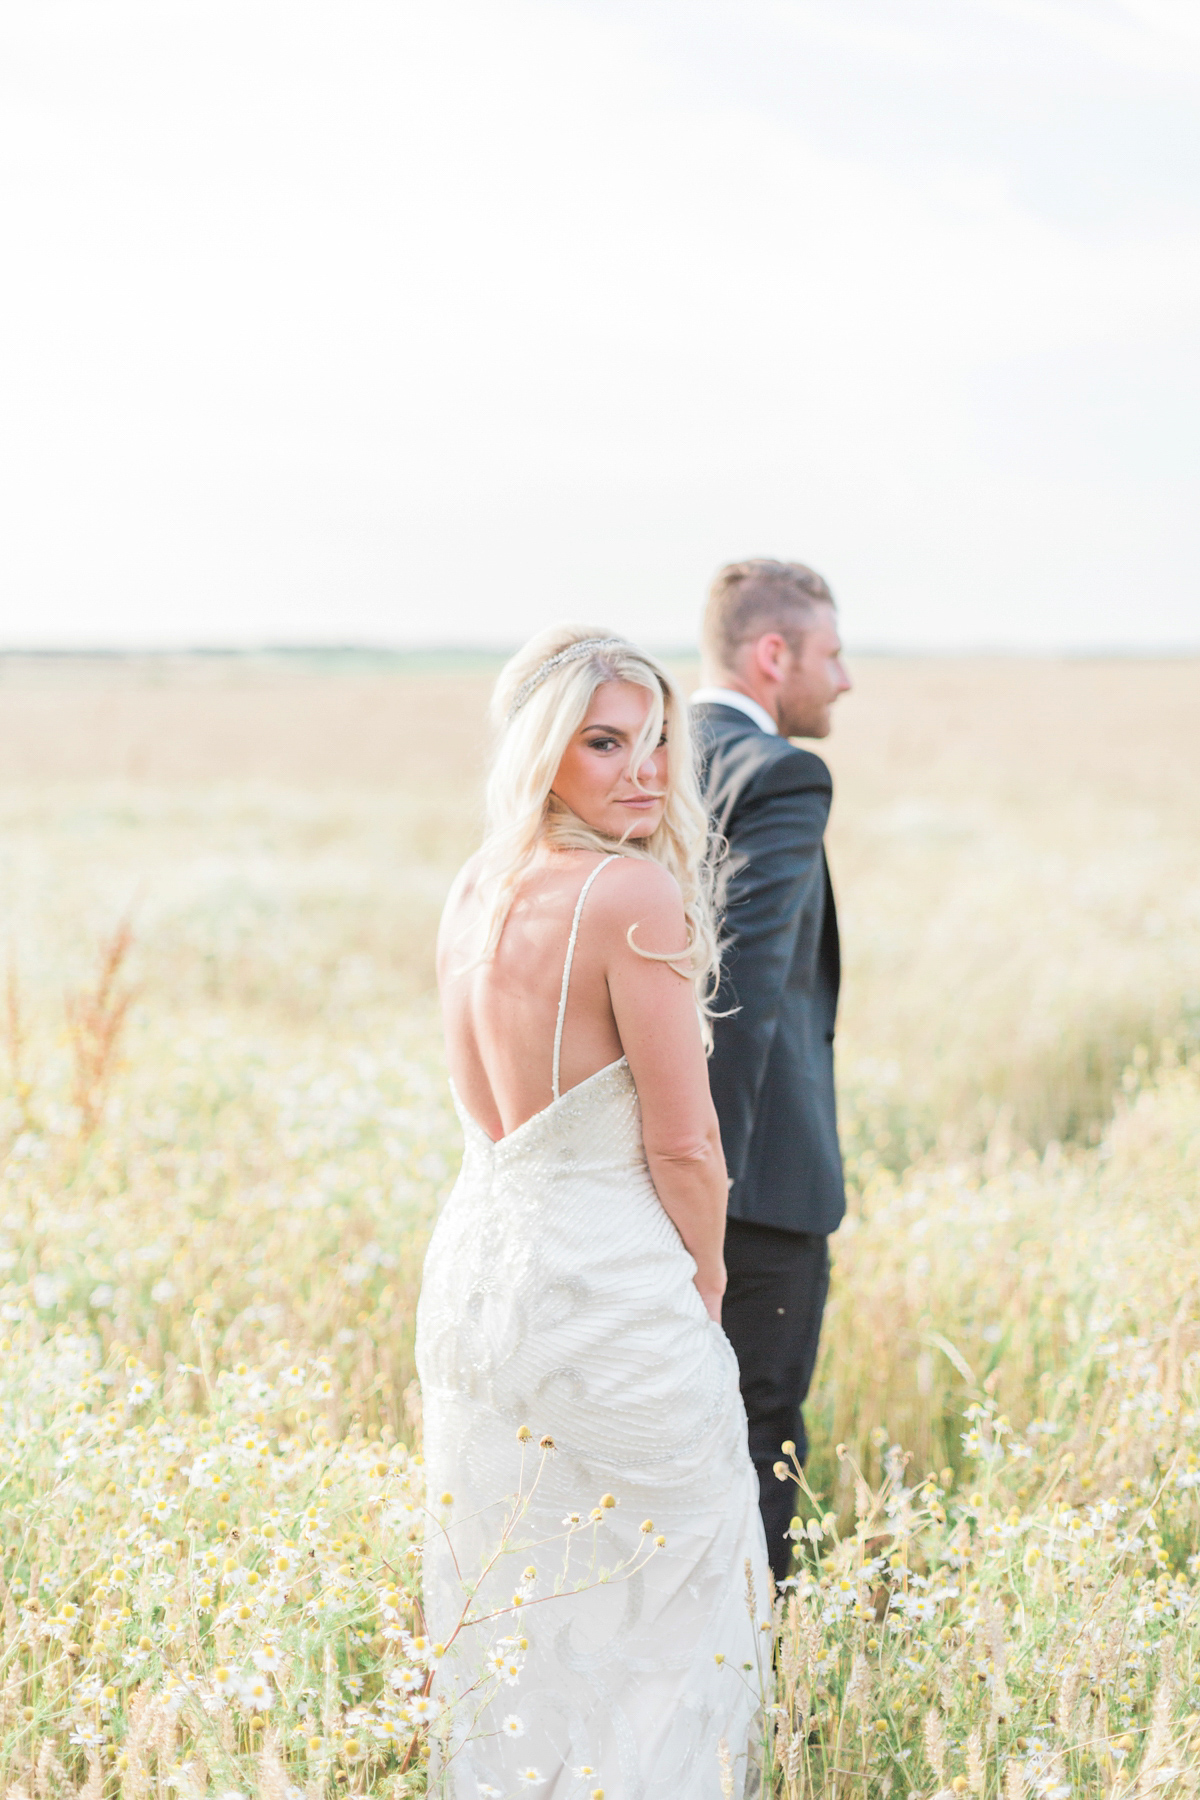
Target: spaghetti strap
570,957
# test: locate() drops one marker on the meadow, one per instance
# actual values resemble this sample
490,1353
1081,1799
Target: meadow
224,1133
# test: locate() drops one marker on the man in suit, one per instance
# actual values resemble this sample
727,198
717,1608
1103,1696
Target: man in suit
772,670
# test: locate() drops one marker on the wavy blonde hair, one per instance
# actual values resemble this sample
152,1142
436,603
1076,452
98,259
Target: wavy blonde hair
522,812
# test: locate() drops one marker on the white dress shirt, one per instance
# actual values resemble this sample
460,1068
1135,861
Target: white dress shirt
719,696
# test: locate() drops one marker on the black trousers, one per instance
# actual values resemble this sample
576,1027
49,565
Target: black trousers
778,1281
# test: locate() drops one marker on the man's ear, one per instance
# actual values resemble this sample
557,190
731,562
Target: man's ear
767,653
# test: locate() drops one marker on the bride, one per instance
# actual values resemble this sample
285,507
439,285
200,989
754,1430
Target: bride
573,1285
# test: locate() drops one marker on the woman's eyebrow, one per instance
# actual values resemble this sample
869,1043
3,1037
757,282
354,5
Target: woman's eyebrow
612,730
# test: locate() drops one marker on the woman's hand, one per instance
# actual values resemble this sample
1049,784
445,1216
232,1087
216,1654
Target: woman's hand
712,1298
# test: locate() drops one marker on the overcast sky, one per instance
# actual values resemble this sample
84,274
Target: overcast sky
411,321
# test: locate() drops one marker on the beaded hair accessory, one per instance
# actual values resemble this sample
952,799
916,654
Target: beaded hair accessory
572,653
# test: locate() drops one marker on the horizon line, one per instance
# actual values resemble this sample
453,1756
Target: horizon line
501,652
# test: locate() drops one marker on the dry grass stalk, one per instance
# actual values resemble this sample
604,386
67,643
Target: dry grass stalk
95,1018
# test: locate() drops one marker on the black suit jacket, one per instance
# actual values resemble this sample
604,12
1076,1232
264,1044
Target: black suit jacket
772,1064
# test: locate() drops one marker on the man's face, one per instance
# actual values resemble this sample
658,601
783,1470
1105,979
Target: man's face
813,676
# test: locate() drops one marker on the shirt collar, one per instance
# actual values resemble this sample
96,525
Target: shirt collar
719,696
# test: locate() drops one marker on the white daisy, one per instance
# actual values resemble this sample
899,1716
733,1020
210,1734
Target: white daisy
256,1693
531,1777
512,1726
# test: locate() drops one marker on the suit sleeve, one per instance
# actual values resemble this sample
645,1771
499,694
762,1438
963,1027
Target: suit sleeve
775,838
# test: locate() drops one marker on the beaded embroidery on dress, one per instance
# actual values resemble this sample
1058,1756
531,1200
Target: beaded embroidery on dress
558,1294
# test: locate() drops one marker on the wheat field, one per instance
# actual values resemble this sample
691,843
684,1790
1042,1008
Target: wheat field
225,1132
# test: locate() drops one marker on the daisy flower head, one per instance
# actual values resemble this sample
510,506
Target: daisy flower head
486,1791
267,1657
224,1681
421,1709
256,1693
531,1777
512,1726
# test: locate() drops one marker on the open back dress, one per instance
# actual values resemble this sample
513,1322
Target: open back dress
559,1296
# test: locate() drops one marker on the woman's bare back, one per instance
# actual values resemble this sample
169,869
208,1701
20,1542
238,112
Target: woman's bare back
501,1016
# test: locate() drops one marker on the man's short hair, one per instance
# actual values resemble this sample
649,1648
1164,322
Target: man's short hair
750,598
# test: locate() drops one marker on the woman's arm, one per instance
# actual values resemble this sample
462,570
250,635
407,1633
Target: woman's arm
655,1012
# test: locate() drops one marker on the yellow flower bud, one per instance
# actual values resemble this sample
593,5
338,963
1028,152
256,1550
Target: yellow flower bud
647,1525
659,1542
524,1435
608,1500
788,1448
719,1657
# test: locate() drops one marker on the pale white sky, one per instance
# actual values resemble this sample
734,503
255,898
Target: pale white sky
412,321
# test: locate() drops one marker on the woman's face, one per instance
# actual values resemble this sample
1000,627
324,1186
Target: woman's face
595,778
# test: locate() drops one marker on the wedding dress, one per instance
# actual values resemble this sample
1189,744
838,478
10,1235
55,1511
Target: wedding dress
558,1296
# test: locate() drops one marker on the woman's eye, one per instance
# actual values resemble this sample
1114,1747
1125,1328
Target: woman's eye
602,743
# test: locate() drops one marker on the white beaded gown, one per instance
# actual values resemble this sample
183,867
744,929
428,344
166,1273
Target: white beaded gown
558,1295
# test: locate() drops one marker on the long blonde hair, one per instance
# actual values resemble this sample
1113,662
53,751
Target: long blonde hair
531,740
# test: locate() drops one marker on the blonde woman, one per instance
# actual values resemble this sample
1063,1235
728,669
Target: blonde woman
573,1285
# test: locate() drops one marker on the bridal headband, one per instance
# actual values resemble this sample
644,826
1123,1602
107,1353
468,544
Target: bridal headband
572,653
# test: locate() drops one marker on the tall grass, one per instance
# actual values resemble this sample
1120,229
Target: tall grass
223,1149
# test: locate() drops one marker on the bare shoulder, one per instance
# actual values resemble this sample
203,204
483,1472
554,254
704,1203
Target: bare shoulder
636,891
459,902
462,888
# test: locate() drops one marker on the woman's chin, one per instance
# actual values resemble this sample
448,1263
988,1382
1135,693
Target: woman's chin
642,825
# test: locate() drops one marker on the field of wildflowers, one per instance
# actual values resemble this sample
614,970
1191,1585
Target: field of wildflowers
224,1135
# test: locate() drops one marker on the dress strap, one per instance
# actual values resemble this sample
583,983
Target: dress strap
570,957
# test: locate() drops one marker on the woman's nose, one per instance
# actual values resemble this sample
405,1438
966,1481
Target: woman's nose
647,771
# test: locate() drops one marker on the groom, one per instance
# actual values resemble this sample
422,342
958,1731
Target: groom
772,670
